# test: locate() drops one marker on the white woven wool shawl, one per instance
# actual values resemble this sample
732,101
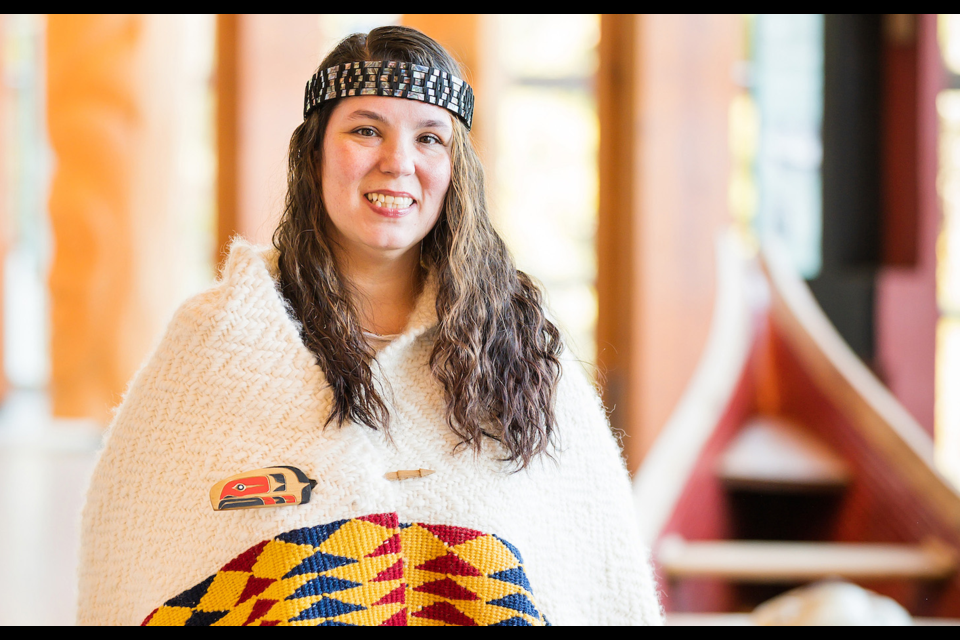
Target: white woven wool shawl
231,387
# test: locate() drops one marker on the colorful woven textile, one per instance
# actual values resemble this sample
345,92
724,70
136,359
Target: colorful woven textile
232,388
370,571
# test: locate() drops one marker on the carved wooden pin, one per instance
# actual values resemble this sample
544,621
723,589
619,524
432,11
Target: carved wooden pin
269,487
405,475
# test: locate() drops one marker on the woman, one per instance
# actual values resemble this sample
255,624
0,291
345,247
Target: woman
372,422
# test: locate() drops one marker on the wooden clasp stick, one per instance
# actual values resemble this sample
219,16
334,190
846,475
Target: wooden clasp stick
405,475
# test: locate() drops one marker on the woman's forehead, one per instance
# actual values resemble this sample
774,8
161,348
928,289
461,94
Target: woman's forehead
392,111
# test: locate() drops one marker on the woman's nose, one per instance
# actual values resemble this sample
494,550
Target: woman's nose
397,157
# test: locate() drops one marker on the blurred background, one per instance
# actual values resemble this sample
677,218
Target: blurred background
619,148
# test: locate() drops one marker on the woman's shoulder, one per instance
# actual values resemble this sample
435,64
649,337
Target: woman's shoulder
248,263
242,315
577,389
581,414
232,334
248,279
577,382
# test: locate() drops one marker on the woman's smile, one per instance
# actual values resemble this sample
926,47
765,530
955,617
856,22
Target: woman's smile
391,204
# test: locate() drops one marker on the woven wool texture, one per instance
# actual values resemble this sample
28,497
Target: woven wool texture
231,387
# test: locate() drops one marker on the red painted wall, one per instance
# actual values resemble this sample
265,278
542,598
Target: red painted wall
906,309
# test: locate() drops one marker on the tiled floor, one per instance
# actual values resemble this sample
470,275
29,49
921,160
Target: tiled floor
44,469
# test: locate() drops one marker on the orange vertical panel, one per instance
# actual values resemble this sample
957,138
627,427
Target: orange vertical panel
227,129
666,88
112,93
617,261
93,116
264,62
458,33
463,35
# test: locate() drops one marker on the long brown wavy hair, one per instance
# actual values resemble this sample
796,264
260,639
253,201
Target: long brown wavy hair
495,353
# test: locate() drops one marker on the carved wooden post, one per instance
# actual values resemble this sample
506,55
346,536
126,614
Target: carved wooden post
93,116
114,279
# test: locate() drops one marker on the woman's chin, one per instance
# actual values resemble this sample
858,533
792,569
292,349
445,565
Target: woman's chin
386,249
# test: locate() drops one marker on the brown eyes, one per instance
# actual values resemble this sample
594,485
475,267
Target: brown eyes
370,132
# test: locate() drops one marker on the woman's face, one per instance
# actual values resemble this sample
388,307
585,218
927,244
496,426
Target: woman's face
385,172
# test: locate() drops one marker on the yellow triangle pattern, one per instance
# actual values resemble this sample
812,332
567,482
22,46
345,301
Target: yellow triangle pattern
417,578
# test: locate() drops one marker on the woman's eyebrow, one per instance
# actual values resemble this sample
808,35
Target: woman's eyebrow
361,114
427,124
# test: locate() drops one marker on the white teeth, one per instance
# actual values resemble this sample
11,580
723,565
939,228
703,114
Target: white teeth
390,202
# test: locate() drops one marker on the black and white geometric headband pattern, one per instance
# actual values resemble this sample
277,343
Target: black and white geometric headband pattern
394,79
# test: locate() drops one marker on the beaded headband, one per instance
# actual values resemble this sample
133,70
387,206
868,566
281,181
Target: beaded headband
394,79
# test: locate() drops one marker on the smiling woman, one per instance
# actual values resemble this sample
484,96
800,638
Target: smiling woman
387,184
280,460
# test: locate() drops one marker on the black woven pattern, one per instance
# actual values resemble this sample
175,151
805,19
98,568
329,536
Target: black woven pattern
394,79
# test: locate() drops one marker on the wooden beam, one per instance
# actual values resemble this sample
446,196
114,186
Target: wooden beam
458,33
263,64
747,620
467,36
227,124
617,258
664,93
778,562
